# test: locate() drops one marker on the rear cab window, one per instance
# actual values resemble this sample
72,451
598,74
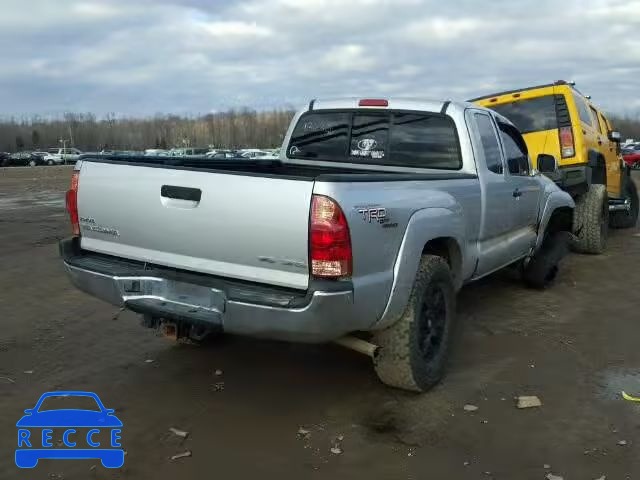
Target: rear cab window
393,138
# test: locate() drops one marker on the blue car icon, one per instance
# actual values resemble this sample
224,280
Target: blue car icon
35,431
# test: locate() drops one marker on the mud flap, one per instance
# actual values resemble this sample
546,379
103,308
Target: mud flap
542,268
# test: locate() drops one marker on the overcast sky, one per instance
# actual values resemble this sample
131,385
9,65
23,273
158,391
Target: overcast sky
140,57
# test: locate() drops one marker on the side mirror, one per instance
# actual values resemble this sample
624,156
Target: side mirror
547,164
615,136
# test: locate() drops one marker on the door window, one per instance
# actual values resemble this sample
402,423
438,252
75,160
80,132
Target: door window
515,150
597,119
583,110
490,145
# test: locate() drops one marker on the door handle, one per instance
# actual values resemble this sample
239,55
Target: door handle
517,193
181,193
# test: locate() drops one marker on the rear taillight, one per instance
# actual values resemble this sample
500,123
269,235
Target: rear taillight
72,203
329,240
566,142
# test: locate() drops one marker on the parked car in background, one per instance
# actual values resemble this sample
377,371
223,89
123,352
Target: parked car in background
51,159
223,154
631,155
117,152
4,159
188,152
558,120
66,155
24,159
47,158
156,152
253,153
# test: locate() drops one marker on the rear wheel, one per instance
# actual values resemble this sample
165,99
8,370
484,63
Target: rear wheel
413,352
32,163
49,162
627,219
591,220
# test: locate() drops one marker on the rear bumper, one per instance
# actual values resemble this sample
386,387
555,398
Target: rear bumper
325,312
571,178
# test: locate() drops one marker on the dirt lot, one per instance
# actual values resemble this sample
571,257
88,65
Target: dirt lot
575,346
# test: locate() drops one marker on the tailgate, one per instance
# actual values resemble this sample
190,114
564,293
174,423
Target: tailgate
232,225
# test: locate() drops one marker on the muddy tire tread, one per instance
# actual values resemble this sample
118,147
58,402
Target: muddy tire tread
587,220
393,363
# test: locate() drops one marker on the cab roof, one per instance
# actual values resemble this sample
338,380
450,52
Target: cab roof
391,103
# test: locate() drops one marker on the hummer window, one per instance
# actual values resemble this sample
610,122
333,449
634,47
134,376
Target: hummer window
597,120
530,115
583,110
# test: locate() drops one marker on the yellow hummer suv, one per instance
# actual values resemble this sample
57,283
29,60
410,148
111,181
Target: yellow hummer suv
556,119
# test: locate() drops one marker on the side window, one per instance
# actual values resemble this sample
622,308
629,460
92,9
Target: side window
515,150
597,119
583,110
490,145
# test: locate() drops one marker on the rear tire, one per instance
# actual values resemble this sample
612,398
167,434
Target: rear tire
630,218
50,162
541,270
591,220
414,351
32,163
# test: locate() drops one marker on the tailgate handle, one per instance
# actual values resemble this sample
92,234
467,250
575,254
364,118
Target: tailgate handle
181,193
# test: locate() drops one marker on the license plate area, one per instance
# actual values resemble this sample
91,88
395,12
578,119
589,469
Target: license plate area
165,292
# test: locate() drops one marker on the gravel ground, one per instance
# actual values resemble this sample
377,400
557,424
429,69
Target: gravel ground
574,346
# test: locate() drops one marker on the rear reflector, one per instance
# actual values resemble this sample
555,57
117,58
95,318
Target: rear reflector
329,240
566,142
72,203
373,102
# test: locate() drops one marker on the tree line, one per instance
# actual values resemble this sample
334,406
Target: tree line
231,129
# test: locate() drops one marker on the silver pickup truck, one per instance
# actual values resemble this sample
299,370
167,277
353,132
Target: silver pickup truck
375,214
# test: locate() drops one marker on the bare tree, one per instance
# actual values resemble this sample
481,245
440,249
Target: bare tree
231,129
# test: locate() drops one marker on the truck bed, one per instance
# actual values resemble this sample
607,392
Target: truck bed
274,168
